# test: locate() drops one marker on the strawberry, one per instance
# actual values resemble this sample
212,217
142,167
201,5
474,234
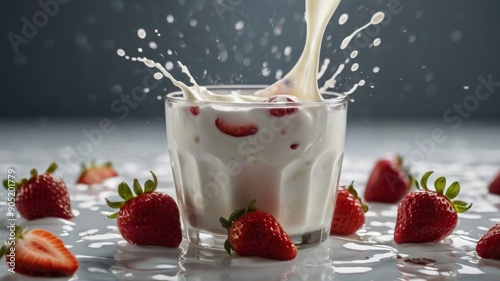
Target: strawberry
428,216
42,196
280,112
38,253
388,182
349,213
488,246
256,233
235,130
495,185
96,174
149,218
195,110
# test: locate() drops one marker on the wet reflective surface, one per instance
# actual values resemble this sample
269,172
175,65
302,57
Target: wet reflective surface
470,154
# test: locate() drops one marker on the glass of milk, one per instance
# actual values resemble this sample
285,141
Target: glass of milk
286,155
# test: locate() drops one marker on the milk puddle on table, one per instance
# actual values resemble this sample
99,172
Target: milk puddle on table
301,81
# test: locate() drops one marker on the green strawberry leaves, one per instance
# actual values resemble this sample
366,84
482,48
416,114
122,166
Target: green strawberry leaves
227,223
450,193
126,193
354,193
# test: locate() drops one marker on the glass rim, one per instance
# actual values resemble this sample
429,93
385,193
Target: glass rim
173,97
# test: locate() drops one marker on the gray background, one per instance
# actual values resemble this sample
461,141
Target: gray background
430,50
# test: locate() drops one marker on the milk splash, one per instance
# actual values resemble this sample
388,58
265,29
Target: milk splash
302,80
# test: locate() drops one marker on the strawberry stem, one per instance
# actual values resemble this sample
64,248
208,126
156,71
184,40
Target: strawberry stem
33,173
52,168
423,180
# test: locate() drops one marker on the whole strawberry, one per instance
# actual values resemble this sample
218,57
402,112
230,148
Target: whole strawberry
495,185
488,246
388,182
349,214
256,233
96,173
38,253
428,216
149,218
42,196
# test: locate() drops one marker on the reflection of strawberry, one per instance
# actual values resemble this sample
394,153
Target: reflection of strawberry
149,218
256,233
428,216
279,112
39,253
495,185
349,214
96,174
488,246
235,130
388,182
42,196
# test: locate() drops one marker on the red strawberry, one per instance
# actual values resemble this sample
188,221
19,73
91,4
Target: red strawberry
194,110
42,196
38,253
495,185
349,214
96,174
149,218
279,112
256,233
235,130
388,182
488,246
428,216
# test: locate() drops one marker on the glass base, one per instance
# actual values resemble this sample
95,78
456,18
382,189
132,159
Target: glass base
216,242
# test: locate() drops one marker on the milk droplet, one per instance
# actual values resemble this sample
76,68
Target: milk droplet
287,51
193,22
169,65
466,87
149,63
158,75
412,38
141,33
153,45
377,18
376,69
354,67
239,25
139,50
343,19
354,54
120,52
146,90
377,42
170,18
169,52
266,72
158,97
456,36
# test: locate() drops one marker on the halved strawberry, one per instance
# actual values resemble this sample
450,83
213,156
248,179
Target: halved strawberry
280,112
96,173
42,196
149,218
235,130
388,182
428,216
495,185
256,233
38,253
488,246
349,214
